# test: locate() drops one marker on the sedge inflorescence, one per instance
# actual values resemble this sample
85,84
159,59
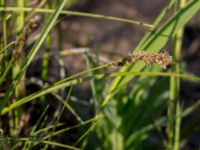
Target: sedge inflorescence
163,59
32,24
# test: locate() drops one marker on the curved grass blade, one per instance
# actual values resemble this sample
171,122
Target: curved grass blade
155,24
97,76
76,13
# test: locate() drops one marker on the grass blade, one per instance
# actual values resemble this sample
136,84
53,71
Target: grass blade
97,76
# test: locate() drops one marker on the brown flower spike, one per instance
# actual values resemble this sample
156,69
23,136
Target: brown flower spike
32,24
163,59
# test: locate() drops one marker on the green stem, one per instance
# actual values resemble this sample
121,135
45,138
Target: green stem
177,126
170,124
4,26
174,103
92,82
178,47
3,40
20,88
45,61
75,13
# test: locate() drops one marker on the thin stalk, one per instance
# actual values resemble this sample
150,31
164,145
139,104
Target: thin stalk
4,26
3,39
91,128
177,126
92,83
76,13
45,61
174,124
6,71
20,88
20,17
5,48
170,123
178,47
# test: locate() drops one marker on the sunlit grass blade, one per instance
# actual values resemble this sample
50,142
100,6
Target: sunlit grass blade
26,144
6,71
97,76
37,140
92,82
81,14
7,46
95,119
91,128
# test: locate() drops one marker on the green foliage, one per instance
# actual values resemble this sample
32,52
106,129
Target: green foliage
138,112
127,111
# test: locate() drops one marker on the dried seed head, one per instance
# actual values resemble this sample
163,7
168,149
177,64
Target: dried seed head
163,59
34,22
20,41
